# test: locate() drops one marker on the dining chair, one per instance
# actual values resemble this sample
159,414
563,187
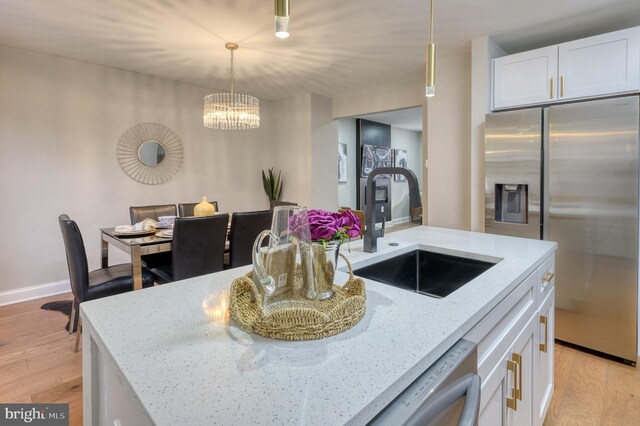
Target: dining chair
186,209
96,284
197,248
140,213
282,203
245,227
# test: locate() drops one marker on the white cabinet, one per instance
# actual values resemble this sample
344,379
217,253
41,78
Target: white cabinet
544,358
507,393
515,353
602,65
525,78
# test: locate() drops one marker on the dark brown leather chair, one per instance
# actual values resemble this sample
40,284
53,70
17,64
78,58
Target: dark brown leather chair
140,213
197,248
186,209
245,227
96,284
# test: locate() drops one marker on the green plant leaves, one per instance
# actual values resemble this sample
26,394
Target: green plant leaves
272,185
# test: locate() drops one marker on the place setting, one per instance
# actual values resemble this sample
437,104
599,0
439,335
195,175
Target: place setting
162,228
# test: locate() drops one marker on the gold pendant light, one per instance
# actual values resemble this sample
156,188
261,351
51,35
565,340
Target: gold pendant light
231,110
431,60
282,18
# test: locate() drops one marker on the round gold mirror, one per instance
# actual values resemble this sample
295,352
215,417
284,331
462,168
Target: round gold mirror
150,153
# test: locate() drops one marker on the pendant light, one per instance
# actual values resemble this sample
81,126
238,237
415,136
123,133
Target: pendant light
282,18
231,110
431,60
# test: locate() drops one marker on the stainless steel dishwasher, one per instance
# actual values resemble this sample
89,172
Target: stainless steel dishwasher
447,393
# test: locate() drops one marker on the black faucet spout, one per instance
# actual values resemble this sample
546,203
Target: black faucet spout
370,233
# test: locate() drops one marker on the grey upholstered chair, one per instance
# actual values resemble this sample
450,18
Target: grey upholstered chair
140,213
186,209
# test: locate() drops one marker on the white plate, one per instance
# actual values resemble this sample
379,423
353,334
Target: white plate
168,233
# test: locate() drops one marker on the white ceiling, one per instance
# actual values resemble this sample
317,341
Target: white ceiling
335,45
409,118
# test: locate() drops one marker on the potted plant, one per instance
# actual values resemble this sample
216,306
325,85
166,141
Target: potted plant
272,185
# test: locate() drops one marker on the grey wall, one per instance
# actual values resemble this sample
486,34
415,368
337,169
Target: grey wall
347,135
60,121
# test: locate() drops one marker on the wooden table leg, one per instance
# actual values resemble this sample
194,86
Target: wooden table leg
104,253
136,261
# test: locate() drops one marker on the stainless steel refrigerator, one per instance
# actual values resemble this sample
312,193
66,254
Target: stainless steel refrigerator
569,173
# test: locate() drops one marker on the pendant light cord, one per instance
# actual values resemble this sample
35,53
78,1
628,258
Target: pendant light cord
232,86
431,23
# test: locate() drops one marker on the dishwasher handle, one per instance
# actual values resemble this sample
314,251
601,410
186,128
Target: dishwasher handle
467,386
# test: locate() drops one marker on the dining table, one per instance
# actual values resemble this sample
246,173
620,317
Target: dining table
136,246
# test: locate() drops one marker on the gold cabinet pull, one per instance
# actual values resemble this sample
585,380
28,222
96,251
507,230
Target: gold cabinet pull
517,358
513,401
544,320
548,277
562,86
551,88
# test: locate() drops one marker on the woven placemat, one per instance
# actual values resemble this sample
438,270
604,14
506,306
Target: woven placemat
295,317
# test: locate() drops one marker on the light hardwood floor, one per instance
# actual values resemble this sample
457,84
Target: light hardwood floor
37,364
591,390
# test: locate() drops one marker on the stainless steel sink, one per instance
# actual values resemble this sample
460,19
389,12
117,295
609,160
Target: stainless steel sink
425,272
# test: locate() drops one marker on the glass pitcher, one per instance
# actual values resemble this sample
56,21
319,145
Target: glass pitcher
274,265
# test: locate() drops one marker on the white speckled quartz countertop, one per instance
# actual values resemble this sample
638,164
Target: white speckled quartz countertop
186,368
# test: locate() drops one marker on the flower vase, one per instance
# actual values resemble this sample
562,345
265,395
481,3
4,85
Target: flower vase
325,260
205,208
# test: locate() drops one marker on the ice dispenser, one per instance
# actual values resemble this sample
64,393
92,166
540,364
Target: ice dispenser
511,203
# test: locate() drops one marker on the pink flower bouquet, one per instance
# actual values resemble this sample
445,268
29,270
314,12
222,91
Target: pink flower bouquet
328,226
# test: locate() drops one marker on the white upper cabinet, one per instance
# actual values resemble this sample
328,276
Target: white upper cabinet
601,65
525,78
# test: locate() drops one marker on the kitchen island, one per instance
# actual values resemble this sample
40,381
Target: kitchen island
168,355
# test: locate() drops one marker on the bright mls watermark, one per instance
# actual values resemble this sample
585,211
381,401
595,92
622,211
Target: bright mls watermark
34,414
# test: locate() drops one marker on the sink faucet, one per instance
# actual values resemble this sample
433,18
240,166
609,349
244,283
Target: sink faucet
371,234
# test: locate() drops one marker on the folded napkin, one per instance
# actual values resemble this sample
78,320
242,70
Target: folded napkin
145,225
167,220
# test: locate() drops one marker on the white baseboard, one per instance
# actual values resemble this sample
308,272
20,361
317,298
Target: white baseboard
34,292
400,220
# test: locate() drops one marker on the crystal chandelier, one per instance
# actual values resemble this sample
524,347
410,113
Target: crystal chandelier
231,110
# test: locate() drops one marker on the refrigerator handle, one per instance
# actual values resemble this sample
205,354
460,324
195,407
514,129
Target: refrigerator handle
544,176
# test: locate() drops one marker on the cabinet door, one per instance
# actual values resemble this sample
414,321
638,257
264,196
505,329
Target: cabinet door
526,78
496,388
544,353
524,348
600,65
512,378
